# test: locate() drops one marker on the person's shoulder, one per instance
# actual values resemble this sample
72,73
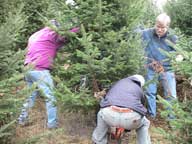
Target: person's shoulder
44,30
148,33
172,36
48,29
148,30
128,79
50,32
121,81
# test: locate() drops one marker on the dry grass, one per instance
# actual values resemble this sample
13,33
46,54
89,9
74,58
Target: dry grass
74,128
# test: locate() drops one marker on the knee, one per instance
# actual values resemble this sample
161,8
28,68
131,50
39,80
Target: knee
146,122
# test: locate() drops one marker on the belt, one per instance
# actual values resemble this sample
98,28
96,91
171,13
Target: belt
120,109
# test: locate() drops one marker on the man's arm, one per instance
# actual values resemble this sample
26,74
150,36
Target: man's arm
144,100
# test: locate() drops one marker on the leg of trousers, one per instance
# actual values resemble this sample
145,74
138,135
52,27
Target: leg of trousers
100,133
169,86
143,136
44,82
151,92
130,121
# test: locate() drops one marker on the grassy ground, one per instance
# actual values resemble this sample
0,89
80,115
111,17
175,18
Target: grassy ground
74,128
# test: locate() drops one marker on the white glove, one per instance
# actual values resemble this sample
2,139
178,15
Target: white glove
179,58
71,2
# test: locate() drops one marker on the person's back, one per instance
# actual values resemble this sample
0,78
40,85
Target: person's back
157,46
158,43
42,48
123,107
125,93
41,51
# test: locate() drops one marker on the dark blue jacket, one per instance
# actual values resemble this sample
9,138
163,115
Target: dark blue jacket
155,47
126,93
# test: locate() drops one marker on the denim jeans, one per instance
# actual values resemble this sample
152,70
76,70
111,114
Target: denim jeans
169,87
106,118
45,84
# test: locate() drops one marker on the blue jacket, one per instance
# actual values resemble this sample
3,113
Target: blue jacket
155,47
126,93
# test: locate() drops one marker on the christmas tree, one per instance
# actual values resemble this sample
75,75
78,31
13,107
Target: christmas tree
105,50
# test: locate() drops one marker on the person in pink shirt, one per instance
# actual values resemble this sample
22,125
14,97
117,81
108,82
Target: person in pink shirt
41,52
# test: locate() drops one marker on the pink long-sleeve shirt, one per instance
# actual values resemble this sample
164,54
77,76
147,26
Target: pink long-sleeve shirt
42,48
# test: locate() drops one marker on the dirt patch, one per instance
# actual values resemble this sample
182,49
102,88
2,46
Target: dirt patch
184,90
77,128
74,128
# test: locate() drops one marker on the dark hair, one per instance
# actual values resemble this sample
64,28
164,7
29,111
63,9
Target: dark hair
55,23
137,82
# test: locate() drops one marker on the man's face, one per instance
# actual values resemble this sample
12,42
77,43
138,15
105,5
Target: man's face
161,28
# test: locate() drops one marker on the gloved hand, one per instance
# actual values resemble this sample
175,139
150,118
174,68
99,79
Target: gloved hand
100,94
179,58
157,66
70,2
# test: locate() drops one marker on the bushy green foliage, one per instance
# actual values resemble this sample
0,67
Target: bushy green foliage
33,10
7,7
183,47
10,31
12,23
12,91
104,51
180,127
181,109
181,14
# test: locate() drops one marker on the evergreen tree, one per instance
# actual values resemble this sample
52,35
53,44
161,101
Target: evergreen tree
104,51
12,23
181,14
10,31
181,108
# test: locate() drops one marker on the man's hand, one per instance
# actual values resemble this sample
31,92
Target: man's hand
179,58
100,94
66,66
157,66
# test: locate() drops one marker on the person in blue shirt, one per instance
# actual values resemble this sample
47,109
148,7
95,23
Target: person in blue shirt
157,42
123,107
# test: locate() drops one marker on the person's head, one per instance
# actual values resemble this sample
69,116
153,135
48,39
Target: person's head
64,25
162,24
138,78
55,23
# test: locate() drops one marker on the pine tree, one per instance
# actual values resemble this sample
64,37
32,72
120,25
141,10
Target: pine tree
181,14
10,31
11,78
106,49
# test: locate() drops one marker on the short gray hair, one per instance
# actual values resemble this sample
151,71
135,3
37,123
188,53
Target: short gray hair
163,18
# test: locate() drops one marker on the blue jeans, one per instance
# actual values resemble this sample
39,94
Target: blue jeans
106,118
45,84
169,87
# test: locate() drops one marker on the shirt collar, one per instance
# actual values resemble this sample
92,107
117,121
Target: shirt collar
164,36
